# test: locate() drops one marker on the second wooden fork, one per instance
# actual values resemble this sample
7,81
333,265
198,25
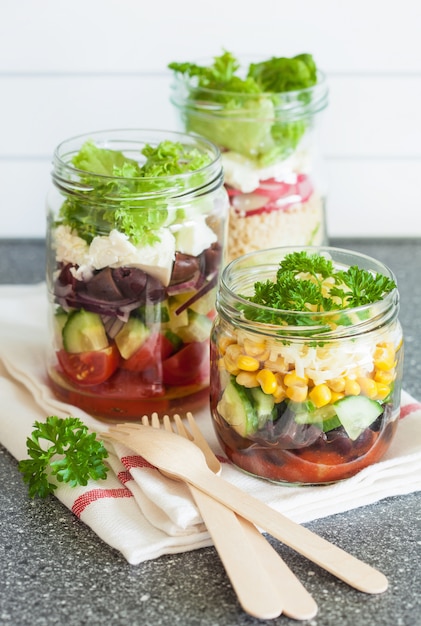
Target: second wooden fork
264,584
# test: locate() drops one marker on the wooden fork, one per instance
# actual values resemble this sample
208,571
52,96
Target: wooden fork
182,459
288,595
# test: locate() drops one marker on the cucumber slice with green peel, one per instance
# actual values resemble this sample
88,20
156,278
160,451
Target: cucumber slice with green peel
174,339
197,329
59,322
306,412
331,423
176,320
237,410
154,313
325,417
264,405
203,305
131,337
356,413
84,332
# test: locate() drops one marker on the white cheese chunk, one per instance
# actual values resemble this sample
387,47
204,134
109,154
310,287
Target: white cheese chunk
193,236
69,247
116,251
242,173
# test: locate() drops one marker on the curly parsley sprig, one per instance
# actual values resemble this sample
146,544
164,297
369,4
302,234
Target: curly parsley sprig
73,455
310,283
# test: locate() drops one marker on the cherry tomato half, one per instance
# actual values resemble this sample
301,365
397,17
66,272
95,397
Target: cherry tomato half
89,368
188,365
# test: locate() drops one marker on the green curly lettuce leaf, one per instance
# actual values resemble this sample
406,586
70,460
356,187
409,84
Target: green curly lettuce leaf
280,74
115,189
245,119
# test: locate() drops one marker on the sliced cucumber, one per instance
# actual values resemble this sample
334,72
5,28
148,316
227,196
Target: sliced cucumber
264,405
325,417
356,413
133,334
197,329
176,320
84,332
236,409
153,313
331,423
59,322
204,304
174,339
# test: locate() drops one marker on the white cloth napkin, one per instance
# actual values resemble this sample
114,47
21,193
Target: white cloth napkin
136,510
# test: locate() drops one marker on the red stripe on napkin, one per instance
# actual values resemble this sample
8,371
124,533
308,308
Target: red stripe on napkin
409,408
124,477
87,498
135,461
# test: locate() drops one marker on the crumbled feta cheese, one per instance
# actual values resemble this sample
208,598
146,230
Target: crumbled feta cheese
115,250
242,173
193,236
69,247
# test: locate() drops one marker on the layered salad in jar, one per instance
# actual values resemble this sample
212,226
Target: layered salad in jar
306,367
134,249
263,117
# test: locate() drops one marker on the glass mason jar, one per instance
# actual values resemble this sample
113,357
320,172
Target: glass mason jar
136,228
307,398
273,170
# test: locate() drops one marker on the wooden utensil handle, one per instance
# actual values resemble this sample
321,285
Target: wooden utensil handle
251,581
297,601
341,564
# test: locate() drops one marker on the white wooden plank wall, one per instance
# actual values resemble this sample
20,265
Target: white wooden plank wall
72,67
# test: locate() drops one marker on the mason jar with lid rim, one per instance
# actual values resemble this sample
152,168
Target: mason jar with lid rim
134,249
307,397
273,168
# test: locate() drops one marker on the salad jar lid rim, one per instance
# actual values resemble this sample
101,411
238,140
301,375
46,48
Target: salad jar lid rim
197,140
321,82
227,293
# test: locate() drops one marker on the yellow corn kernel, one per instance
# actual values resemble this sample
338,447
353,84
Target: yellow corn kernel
256,349
368,387
277,365
382,391
279,394
384,356
335,396
247,379
247,363
326,286
292,380
232,353
320,395
336,384
232,369
352,388
267,381
225,341
297,393
385,377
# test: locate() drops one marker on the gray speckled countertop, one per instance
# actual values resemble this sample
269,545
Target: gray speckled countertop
55,570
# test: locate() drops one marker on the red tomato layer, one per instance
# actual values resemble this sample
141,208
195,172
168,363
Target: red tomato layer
153,378
309,465
89,368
